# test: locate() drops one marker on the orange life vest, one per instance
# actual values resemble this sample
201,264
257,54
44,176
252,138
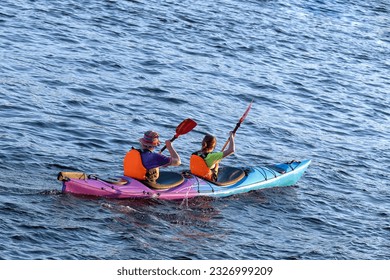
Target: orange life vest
199,168
133,166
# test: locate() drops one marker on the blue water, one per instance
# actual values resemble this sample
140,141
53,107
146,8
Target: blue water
80,81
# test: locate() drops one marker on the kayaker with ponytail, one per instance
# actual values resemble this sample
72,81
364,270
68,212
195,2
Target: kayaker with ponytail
143,164
204,163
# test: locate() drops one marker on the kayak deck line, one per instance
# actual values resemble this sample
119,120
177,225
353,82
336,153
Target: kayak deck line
274,169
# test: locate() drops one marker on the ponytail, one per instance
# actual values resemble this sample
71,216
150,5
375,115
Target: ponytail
208,144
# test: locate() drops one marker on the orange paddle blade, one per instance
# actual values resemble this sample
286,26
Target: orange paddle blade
185,126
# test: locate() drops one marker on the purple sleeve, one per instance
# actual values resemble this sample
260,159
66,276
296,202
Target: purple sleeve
153,160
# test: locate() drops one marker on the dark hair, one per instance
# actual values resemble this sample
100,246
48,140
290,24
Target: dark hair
209,142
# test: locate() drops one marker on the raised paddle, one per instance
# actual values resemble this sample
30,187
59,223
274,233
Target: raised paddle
239,123
184,127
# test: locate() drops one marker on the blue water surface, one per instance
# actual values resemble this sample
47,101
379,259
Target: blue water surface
80,81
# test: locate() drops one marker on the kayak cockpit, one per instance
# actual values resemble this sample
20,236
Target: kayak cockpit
229,175
166,180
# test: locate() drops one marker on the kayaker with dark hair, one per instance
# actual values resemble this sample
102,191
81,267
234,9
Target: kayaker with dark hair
143,164
204,163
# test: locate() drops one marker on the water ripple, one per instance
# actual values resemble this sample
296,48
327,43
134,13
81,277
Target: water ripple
81,82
